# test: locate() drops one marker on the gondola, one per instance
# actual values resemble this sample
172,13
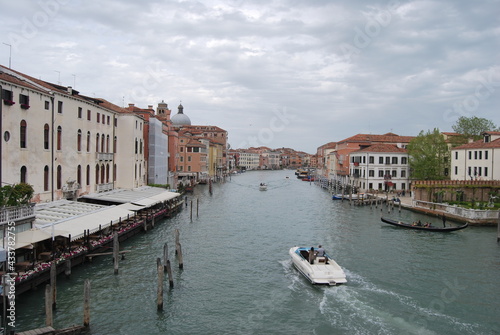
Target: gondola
431,228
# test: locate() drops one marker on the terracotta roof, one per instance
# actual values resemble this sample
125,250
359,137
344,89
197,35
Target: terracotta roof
106,104
479,145
382,148
492,132
389,137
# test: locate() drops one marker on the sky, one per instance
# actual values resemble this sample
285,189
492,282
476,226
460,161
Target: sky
275,73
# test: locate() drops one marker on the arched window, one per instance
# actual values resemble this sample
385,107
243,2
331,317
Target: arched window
46,178
114,144
103,172
140,147
88,175
88,141
24,174
97,142
97,174
79,175
107,173
114,172
136,144
22,132
79,140
103,141
59,138
46,130
107,143
59,177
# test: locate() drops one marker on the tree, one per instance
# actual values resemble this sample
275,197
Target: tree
19,194
473,127
429,156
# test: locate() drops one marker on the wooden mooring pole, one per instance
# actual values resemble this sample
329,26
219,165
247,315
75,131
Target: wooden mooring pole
178,249
53,275
86,303
159,290
49,322
116,249
197,205
191,212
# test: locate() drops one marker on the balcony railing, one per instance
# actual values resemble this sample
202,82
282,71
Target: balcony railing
9,214
105,156
104,187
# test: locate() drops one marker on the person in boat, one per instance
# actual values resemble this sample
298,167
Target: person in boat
321,253
419,223
312,255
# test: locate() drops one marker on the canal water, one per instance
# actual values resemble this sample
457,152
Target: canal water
238,277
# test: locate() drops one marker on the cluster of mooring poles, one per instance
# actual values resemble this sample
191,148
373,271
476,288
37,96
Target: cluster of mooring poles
166,267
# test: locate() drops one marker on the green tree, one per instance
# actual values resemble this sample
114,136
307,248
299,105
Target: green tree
473,127
16,195
429,156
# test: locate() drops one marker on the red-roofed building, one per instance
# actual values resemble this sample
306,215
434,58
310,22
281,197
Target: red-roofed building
479,160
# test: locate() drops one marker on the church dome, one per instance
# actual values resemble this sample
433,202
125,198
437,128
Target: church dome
180,119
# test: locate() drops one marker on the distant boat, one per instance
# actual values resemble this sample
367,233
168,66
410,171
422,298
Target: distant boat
263,187
423,227
346,196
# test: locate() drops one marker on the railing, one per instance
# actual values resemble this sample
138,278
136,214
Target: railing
105,156
9,214
104,187
473,214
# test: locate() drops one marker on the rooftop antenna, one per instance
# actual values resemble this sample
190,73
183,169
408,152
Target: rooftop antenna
59,78
10,53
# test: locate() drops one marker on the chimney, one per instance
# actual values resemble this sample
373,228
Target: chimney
131,107
70,90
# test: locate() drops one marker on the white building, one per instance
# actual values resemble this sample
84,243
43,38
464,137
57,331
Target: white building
382,167
158,153
249,160
65,144
479,160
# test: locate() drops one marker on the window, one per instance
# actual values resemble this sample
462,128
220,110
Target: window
47,105
394,173
404,160
88,141
79,140
403,173
107,173
394,160
97,174
22,133
388,160
189,158
456,154
381,173
24,101
107,143
371,173
136,144
114,172
79,175
24,174
371,160
480,154
46,178
98,117
114,144
107,119
469,171
381,160
59,177
456,170
46,136
89,115
80,112
8,97
103,139
60,107
97,142
59,138
470,155
475,154
486,171
88,175
485,154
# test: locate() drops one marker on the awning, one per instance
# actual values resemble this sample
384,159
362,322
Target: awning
154,199
27,238
103,218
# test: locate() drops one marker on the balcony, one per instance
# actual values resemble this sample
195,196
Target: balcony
9,214
105,156
104,187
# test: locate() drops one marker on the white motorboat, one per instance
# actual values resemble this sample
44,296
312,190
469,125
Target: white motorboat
263,187
317,271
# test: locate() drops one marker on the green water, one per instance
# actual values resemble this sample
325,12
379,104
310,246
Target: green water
238,277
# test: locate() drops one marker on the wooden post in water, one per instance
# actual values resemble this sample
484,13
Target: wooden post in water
159,290
176,234
191,212
86,303
116,249
48,306
169,273
53,275
197,205
165,255
179,255
67,269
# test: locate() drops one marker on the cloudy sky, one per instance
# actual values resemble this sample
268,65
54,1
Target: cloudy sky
279,73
